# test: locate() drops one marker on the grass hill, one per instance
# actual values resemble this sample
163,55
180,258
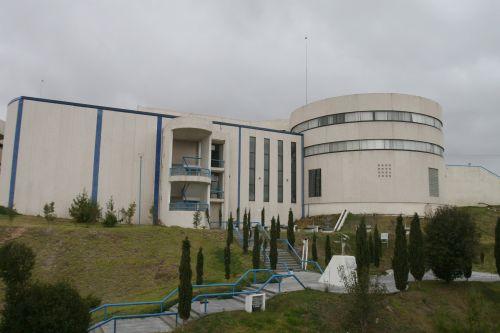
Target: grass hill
431,306
121,263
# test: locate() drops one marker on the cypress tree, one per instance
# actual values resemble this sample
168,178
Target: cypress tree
377,247
227,262
185,286
400,258
371,248
290,233
497,245
278,227
328,250
199,267
416,249
256,248
230,230
263,217
467,268
314,249
273,246
362,247
245,232
238,215
220,218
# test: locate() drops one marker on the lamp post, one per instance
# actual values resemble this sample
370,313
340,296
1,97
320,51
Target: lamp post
140,188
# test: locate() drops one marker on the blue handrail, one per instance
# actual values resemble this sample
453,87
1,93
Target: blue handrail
144,315
177,170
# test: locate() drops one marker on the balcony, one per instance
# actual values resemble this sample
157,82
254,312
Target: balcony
188,206
216,193
218,164
192,170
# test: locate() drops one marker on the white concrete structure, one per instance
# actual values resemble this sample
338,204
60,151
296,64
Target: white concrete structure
337,265
367,153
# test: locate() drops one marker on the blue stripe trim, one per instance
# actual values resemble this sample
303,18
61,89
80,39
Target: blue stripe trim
239,166
153,114
15,152
302,178
97,155
156,209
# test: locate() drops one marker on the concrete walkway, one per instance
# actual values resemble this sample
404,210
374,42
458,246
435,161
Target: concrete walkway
309,279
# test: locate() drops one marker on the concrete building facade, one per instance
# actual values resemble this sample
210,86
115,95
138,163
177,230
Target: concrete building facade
368,153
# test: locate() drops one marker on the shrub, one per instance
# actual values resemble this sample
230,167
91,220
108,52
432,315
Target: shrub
196,219
49,211
416,249
16,263
128,214
185,286
451,242
84,210
110,219
199,267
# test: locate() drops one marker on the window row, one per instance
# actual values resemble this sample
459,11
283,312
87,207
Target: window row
375,144
266,168
351,117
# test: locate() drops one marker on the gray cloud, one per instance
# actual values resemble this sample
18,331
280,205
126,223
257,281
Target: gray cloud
246,58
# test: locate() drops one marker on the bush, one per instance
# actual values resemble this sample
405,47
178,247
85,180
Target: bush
84,210
128,214
49,211
451,242
10,212
110,219
196,219
16,262
45,308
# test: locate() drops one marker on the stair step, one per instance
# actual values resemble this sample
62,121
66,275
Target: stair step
170,321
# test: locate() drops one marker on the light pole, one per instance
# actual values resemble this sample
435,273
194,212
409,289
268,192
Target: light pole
140,188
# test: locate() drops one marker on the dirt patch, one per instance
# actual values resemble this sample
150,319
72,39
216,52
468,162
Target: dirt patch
11,234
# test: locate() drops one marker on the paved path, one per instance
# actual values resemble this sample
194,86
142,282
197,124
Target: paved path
309,279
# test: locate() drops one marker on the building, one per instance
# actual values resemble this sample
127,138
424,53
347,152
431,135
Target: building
368,153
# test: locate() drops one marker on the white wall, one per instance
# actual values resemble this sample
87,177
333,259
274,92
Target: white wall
471,185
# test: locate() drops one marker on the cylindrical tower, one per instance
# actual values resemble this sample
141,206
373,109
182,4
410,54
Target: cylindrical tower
371,153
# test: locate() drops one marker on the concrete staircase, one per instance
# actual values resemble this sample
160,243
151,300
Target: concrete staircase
286,261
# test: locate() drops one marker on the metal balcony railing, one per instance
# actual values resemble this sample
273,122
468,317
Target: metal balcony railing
216,193
217,163
188,206
179,170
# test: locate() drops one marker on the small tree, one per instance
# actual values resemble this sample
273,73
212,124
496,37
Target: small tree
371,248
416,249
49,211
220,218
263,217
230,230
84,210
290,232
497,245
256,249
110,219
199,267
16,263
377,247
450,243
362,247
328,250
196,219
185,286
246,229
238,215
278,227
400,258
314,248
207,216
227,262
128,214
273,246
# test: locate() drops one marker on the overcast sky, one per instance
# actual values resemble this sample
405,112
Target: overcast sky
245,59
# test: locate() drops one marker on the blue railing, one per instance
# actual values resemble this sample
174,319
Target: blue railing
178,170
217,163
123,317
188,206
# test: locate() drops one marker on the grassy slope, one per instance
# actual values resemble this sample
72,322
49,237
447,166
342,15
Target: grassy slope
429,307
121,263
485,219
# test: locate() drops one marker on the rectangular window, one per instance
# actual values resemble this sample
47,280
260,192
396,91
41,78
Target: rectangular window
280,171
433,182
251,171
314,183
267,147
293,169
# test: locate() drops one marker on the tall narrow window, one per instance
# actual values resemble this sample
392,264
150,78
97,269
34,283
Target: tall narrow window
267,147
433,182
251,171
280,171
314,183
293,168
